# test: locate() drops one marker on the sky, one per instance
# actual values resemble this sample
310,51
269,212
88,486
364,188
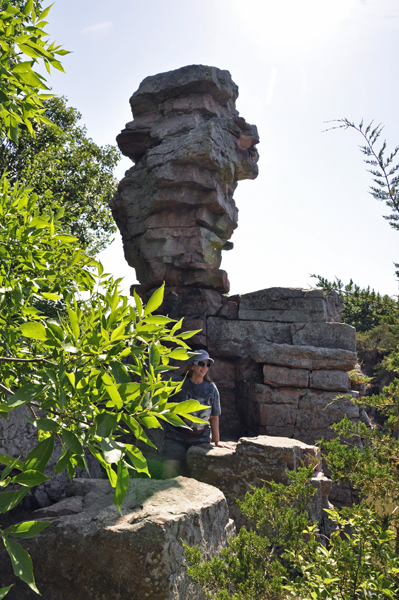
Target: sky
299,65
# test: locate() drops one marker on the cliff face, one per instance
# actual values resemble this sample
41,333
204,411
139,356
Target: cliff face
175,207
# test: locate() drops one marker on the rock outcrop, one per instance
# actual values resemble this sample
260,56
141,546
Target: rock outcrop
251,463
175,208
281,354
92,552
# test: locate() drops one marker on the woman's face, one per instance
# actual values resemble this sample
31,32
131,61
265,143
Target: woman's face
198,372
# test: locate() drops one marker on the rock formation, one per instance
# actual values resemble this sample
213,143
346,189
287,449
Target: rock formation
251,463
281,354
175,207
92,552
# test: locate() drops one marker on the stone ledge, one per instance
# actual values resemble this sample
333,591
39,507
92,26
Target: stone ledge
252,462
303,357
136,554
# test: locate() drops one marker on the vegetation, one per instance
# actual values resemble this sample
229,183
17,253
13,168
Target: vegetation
66,168
384,171
284,557
24,45
88,377
376,319
254,565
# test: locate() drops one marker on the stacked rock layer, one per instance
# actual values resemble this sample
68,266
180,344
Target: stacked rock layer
175,207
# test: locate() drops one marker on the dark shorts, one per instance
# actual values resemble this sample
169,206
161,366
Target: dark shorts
176,449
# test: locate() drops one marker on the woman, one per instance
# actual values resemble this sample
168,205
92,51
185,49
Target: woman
197,386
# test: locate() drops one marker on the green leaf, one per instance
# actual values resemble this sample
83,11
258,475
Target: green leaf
30,478
28,7
118,332
188,334
137,430
112,476
34,330
179,354
172,419
49,296
72,442
149,421
69,348
159,320
8,500
138,302
21,563
44,13
25,394
9,468
32,79
155,301
137,459
54,326
4,591
113,451
112,391
46,424
63,462
10,460
188,406
22,67
154,355
119,372
38,458
122,483
106,423
27,529
73,319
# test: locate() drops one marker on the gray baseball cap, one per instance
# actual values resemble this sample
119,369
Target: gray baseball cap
200,355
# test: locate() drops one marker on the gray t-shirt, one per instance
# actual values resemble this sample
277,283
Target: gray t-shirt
207,394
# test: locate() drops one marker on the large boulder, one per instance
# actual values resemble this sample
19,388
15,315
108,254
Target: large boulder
250,463
91,551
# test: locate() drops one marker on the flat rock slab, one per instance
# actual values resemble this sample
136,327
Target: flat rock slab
304,357
291,305
237,339
100,554
324,335
252,462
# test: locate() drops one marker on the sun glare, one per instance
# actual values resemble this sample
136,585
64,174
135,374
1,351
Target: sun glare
289,25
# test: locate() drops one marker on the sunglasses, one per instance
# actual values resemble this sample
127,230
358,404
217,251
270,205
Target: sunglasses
201,363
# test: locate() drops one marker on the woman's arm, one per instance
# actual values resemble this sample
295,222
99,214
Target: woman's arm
214,423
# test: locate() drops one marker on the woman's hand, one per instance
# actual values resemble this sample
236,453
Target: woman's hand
223,445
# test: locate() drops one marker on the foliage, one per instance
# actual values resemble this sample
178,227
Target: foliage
284,556
66,168
87,377
369,458
384,170
24,44
252,567
363,308
358,563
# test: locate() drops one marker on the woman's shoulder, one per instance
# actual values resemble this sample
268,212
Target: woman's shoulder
210,385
